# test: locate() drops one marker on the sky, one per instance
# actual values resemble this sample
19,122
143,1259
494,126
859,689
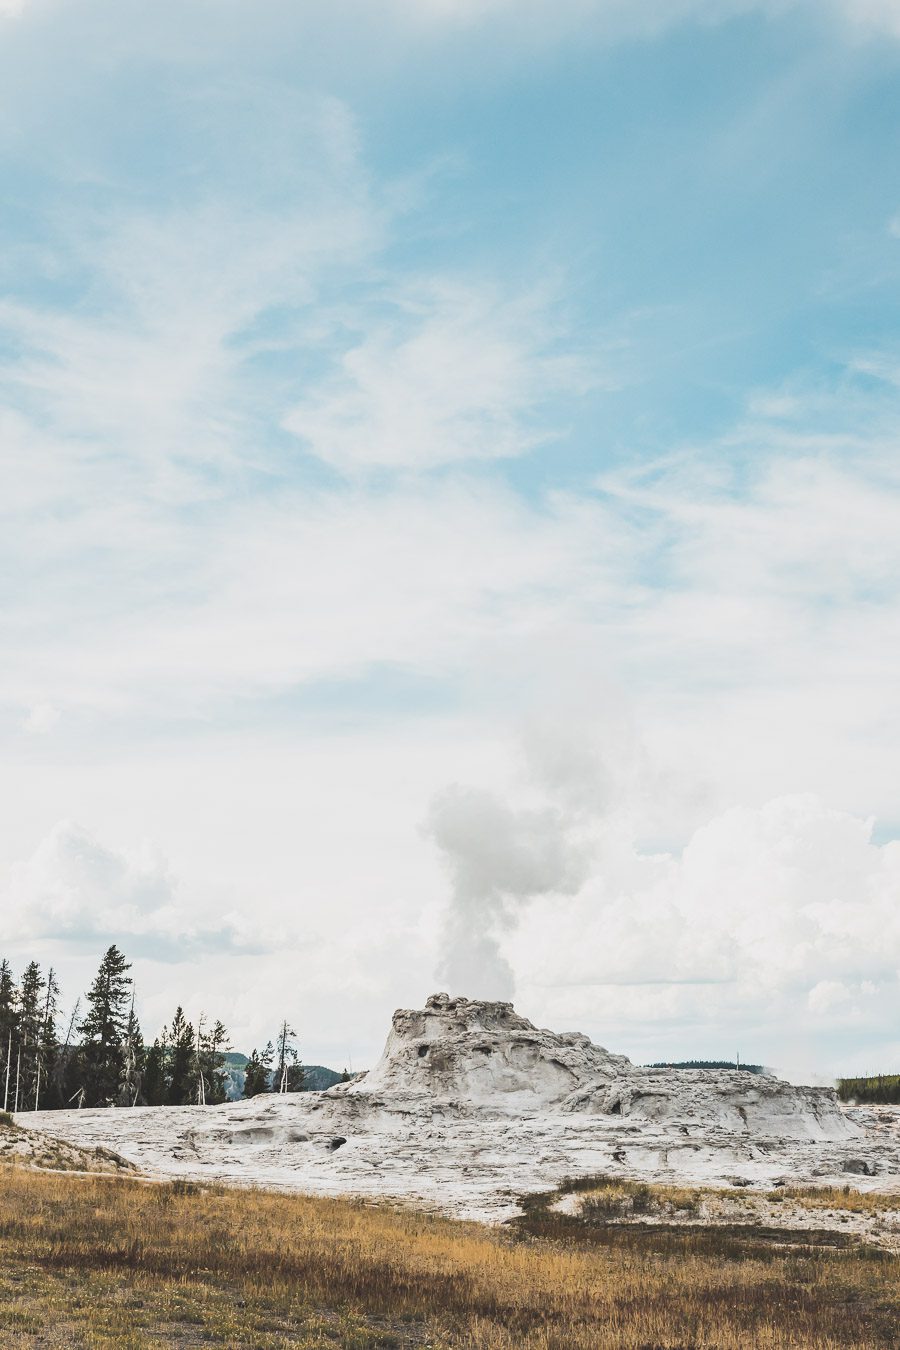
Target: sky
450,515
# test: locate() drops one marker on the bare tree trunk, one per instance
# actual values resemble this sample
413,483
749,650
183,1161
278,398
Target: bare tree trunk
6,1089
37,1078
62,1060
282,1058
71,1027
201,1086
18,1070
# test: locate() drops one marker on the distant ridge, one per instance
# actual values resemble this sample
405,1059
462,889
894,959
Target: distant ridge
705,1064
316,1077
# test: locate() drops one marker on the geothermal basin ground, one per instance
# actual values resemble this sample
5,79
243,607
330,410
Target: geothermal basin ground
471,1108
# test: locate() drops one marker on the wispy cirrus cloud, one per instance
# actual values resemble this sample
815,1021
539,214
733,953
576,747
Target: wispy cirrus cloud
879,15
617,19
158,365
446,373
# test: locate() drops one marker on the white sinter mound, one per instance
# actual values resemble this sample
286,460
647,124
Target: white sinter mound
471,1105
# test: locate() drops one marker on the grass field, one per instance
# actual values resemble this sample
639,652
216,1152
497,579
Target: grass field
114,1261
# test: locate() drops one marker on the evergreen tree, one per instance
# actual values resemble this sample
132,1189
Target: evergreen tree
7,1002
258,1072
31,1008
211,1049
182,1079
133,1062
102,1061
102,1058
9,1027
155,1086
45,1091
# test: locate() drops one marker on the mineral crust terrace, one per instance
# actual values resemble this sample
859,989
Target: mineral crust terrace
471,1106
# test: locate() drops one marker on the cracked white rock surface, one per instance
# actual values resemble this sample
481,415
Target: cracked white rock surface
471,1106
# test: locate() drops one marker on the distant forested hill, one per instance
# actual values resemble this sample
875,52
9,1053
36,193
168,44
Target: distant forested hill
316,1077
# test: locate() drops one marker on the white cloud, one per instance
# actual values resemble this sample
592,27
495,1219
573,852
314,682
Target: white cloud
878,15
755,621
611,20
73,888
830,996
41,718
451,373
273,595
780,921
771,915
150,376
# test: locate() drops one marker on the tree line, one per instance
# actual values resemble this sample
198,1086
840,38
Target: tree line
707,1064
874,1088
99,1057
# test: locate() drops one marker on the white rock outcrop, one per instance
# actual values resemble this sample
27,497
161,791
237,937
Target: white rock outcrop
483,1054
484,1058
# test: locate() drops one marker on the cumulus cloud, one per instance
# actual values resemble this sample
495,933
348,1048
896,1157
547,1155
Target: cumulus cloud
782,917
75,889
785,917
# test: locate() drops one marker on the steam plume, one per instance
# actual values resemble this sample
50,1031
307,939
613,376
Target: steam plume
498,858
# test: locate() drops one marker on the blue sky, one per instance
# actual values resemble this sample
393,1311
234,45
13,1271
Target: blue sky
450,512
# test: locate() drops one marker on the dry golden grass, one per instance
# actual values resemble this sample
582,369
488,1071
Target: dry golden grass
104,1261
842,1197
618,1198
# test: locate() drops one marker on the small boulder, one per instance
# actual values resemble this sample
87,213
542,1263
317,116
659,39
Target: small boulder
859,1167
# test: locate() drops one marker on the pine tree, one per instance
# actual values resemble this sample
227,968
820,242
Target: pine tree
258,1072
9,1029
102,1059
47,1047
182,1061
155,1086
133,1062
211,1049
31,1007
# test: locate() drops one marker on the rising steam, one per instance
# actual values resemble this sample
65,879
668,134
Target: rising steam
498,859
